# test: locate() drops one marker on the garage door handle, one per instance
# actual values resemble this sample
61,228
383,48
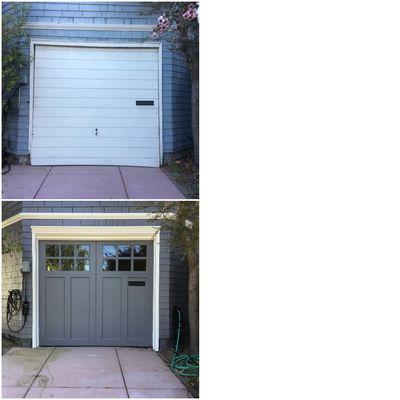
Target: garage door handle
96,130
144,102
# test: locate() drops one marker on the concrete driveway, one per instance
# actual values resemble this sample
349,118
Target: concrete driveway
87,182
88,372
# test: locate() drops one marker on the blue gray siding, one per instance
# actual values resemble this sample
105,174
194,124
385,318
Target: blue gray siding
177,135
11,208
173,271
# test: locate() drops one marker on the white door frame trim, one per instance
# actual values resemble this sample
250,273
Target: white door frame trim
132,45
95,233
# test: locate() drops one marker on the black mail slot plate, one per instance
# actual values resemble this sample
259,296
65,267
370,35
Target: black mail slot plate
144,102
136,283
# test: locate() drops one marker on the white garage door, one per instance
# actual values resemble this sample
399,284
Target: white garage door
95,106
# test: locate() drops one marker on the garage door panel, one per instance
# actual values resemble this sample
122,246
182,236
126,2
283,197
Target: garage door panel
138,315
80,83
80,89
80,309
92,123
137,94
50,103
100,152
93,142
85,53
103,65
128,112
91,160
110,309
47,133
54,326
94,74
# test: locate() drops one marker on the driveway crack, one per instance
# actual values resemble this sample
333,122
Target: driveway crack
38,374
44,180
123,182
122,373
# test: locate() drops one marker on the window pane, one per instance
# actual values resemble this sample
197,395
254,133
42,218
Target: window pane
109,251
52,264
82,265
52,250
139,250
82,250
109,265
67,264
124,250
139,265
67,250
124,264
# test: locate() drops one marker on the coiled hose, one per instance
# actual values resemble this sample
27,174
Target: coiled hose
14,306
184,364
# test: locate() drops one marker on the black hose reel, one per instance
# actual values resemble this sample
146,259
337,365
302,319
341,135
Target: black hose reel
15,305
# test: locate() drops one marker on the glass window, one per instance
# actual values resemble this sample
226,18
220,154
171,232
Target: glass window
139,250
52,250
67,250
109,265
67,264
52,264
139,265
123,257
82,250
124,250
67,257
82,265
109,251
124,264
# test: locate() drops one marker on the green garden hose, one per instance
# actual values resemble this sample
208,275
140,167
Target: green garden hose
184,364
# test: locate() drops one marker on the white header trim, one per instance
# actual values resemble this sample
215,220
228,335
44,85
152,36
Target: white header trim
69,43
95,233
91,27
37,215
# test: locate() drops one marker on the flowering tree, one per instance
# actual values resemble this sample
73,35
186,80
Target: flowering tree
181,21
184,228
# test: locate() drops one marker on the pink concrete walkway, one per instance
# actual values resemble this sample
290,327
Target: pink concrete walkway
88,372
88,182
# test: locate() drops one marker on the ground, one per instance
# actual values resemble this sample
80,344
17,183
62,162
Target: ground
88,372
185,174
191,383
88,182
6,345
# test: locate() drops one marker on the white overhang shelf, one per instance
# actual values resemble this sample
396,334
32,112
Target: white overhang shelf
122,216
91,27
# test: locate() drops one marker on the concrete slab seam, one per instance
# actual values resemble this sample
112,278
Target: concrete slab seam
44,180
34,379
123,182
122,372
173,183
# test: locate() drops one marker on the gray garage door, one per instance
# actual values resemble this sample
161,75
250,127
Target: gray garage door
95,293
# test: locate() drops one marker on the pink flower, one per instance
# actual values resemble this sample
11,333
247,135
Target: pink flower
163,22
190,14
